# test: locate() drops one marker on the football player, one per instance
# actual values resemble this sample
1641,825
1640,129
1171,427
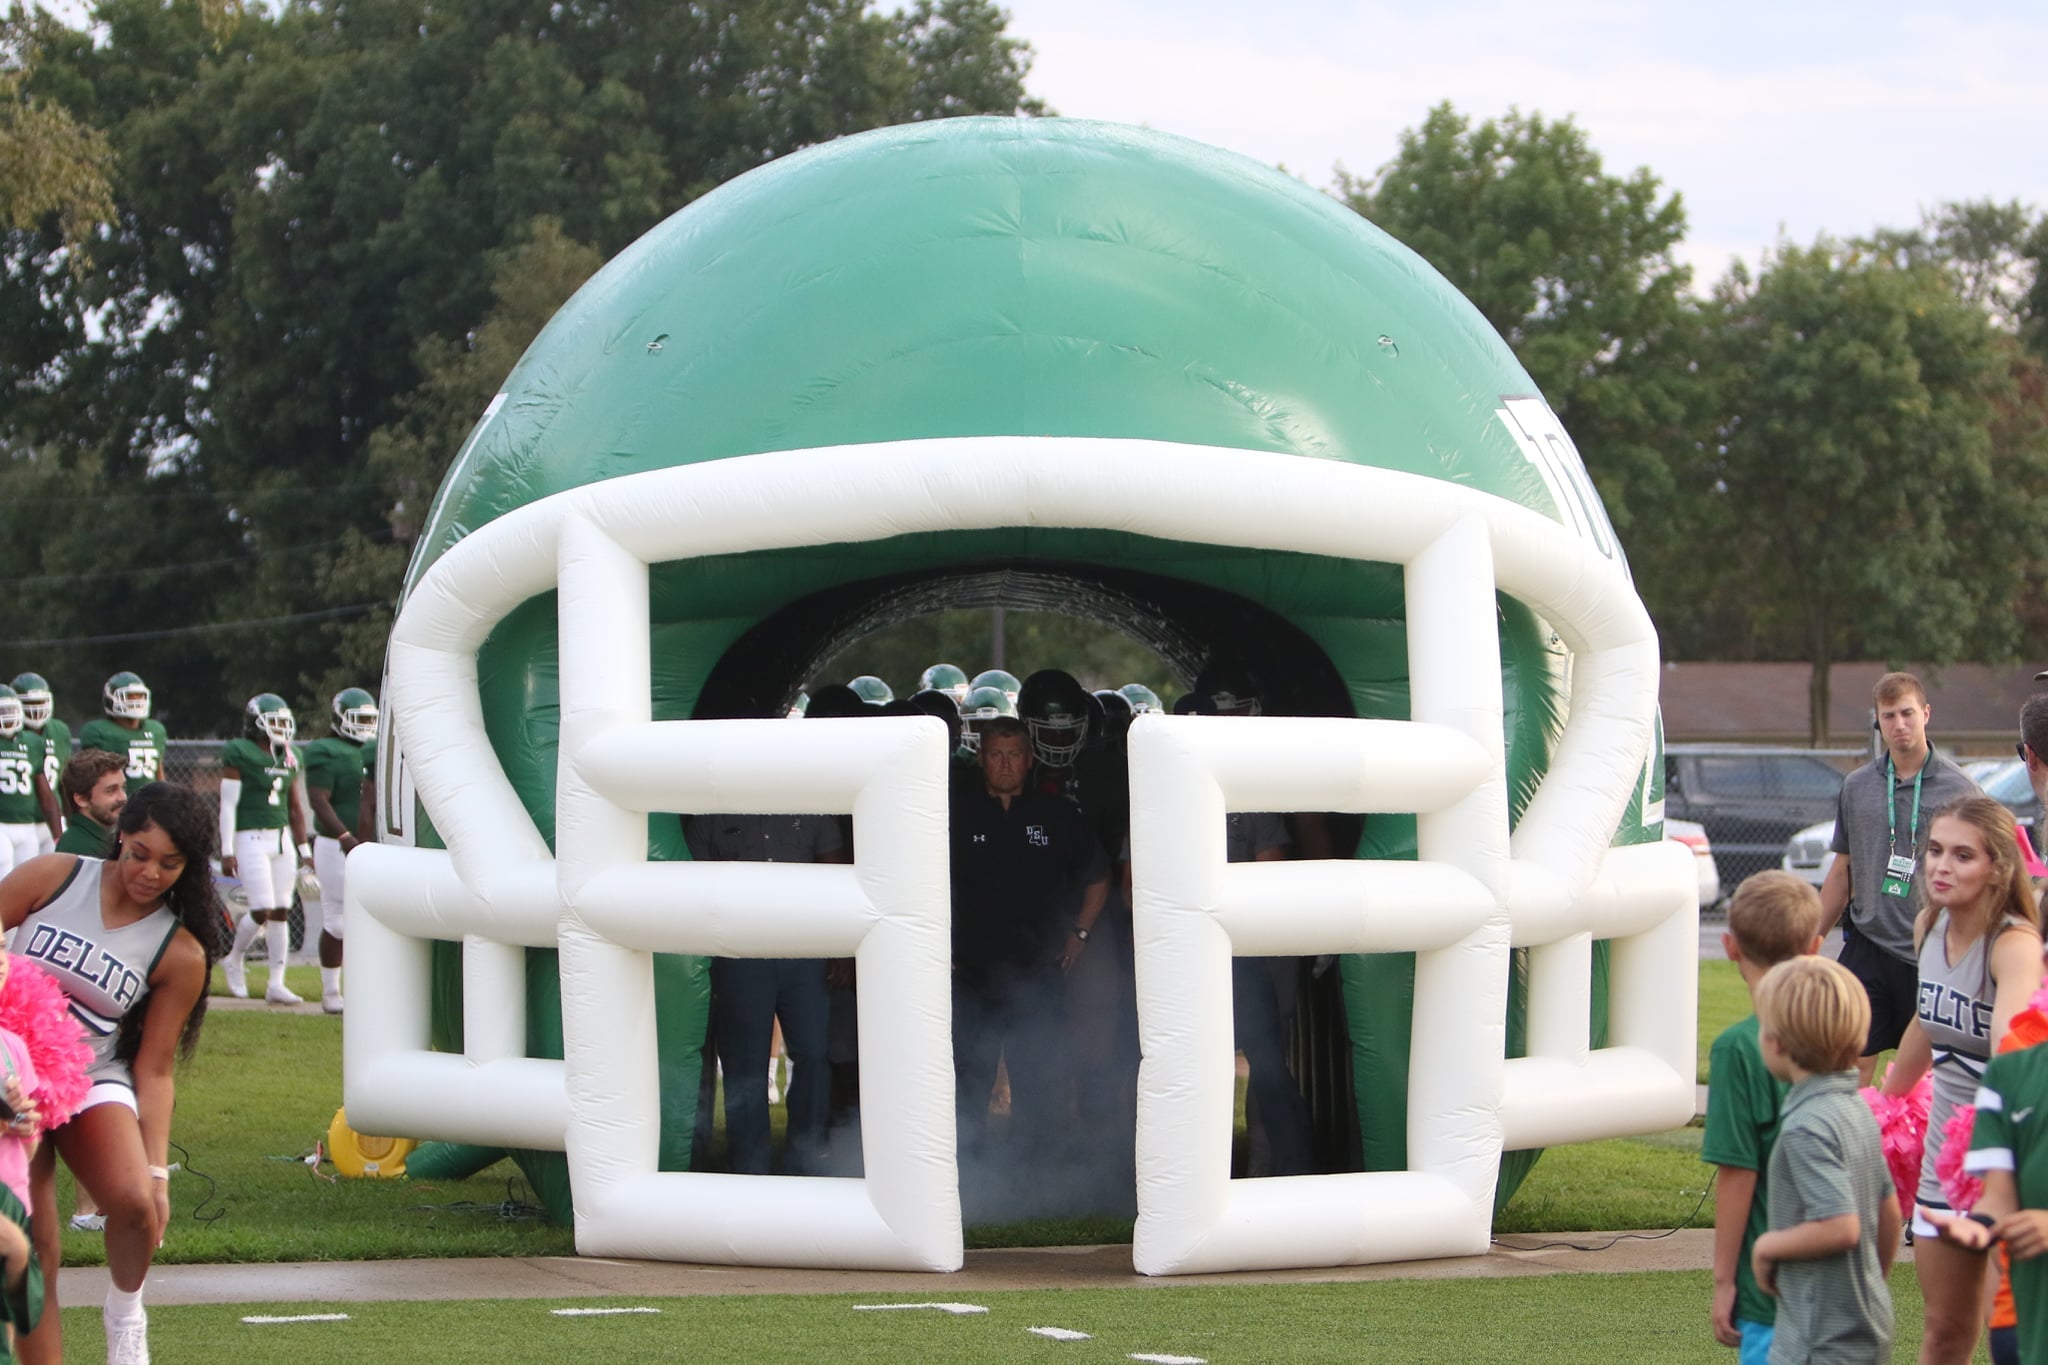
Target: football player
1054,708
1144,701
983,705
1116,718
127,730
995,677
260,795
39,713
1101,1000
26,803
334,788
872,690
947,678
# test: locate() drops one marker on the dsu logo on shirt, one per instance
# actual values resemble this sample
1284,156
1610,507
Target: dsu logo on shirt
1037,837
68,952
1950,1008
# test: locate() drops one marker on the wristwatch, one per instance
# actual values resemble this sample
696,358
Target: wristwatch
1081,934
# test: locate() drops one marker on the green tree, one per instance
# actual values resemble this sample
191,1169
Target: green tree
1571,264
310,212
1575,267
1984,248
1860,489
51,165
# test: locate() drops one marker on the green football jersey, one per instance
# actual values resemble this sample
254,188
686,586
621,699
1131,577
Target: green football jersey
335,765
21,759
144,747
266,784
2013,1094
56,752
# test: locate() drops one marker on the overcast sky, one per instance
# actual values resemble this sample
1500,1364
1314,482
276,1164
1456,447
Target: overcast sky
1800,116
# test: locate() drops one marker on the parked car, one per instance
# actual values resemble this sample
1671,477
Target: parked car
1751,800
1694,836
2006,783
2003,779
1807,853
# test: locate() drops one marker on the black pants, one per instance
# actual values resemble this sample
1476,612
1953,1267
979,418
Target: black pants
1017,1017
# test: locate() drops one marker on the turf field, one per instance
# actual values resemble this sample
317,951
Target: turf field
1642,1319
260,1094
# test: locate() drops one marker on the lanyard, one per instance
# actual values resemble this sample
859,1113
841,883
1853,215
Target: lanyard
1891,802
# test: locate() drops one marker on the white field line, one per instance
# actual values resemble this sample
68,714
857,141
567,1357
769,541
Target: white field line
262,1320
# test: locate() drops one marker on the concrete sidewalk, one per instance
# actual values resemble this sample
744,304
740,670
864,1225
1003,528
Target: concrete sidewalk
1103,1267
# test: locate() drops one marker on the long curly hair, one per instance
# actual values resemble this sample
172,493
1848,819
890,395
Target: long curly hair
2010,892
189,823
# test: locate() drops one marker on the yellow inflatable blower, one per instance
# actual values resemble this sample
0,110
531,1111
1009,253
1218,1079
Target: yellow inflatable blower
361,1155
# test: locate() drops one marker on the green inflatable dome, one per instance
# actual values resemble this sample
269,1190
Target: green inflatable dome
1021,278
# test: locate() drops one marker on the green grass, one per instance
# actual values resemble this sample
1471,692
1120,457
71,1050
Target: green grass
1644,1319
303,979
1724,1000
266,1083
258,1095
1642,1182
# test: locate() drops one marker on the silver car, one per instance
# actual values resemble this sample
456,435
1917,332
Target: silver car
1807,853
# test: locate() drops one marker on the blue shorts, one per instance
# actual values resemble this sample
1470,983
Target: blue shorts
1756,1342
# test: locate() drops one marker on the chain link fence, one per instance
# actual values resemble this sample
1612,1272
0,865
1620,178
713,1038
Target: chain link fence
1753,801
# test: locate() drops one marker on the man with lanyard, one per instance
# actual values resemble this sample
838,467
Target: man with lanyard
1029,883
1880,832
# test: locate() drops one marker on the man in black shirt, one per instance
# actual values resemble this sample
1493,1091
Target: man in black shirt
1029,881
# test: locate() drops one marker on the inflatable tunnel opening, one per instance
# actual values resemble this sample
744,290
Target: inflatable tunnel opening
1182,626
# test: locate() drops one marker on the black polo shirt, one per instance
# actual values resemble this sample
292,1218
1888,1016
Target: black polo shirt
1018,875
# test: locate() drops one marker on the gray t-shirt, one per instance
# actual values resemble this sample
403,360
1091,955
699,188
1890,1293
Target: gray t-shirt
1863,832
1829,1161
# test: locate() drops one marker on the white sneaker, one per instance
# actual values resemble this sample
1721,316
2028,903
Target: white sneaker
237,974
127,1342
330,1001
277,993
89,1222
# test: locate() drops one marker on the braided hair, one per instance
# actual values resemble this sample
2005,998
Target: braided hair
190,825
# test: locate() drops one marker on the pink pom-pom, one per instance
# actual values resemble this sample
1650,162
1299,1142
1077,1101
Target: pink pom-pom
1961,1187
35,1009
1902,1127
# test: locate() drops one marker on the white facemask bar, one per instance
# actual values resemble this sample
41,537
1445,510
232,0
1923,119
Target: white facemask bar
1553,884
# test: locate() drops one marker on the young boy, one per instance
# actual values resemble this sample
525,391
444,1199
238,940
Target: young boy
1773,917
1834,1211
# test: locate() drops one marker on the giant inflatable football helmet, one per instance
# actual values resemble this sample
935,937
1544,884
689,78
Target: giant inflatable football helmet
1042,363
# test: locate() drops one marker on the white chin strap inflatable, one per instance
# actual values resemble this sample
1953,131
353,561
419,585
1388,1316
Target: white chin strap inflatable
1554,887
